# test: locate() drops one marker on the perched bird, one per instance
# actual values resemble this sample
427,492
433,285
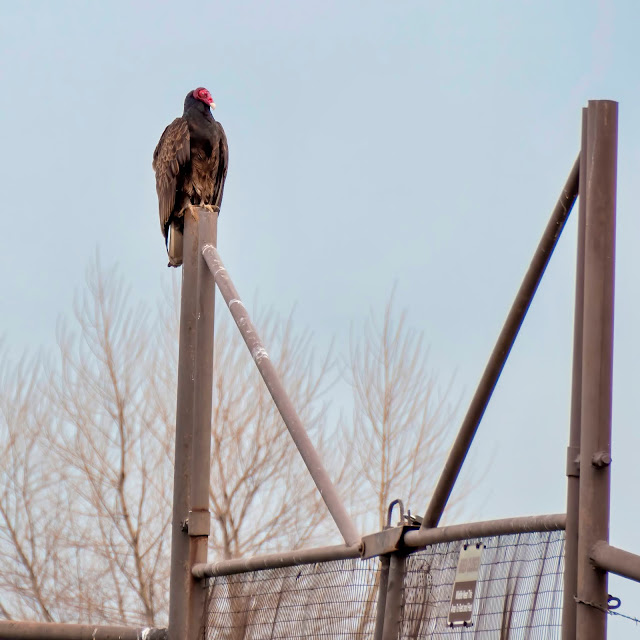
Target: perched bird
190,163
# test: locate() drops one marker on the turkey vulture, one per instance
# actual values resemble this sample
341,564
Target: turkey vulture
190,163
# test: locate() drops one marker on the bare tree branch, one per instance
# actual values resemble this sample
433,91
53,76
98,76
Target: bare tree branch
402,420
86,451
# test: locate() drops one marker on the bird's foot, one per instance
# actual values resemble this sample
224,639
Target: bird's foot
211,207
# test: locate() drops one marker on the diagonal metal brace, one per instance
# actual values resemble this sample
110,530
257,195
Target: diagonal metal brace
501,350
281,399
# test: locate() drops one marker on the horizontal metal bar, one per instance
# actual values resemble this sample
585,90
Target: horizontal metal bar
424,537
275,560
618,561
501,350
280,397
18,630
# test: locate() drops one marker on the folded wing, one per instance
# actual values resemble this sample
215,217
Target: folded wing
170,160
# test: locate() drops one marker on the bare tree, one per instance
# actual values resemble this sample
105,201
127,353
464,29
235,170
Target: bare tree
402,420
401,426
87,451
112,442
19,489
38,570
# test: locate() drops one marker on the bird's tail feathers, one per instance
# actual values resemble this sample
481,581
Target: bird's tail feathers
174,245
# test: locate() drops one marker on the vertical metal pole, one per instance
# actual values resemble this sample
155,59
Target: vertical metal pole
597,363
395,589
181,581
190,526
199,521
573,450
383,585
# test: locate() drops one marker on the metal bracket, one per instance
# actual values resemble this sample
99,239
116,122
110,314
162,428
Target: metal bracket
199,523
385,541
573,462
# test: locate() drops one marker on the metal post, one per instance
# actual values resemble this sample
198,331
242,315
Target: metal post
181,580
597,363
395,590
199,522
281,399
573,450
383,585
501,350
190,525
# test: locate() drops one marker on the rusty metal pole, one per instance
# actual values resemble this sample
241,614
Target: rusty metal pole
573,450
383,585
282,401
275,560
501,351
614,560
190,524
395,592
199,521
485,529
597,364
19,630
181,581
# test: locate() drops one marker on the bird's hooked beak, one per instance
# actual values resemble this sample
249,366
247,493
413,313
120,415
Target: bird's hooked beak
212,104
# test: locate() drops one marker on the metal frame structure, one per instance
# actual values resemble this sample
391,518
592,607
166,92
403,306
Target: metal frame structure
588,555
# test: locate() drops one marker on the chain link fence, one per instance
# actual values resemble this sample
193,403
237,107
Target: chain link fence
519,596
324,600
519,593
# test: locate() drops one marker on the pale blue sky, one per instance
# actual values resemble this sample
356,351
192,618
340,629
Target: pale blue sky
371,143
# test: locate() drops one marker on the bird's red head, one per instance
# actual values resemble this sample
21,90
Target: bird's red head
203,95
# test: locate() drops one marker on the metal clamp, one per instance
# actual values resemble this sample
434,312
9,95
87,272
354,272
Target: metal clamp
199,523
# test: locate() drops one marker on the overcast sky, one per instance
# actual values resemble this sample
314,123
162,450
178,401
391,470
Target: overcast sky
371,143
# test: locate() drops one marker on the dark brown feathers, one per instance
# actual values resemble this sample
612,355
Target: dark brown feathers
223,163
171,155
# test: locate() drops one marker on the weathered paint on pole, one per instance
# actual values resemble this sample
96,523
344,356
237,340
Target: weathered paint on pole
393,605
501,351
23,630
275,560
190,525
181,581
472,530
383,586
199,519
573,450
618,561
597,364
281,399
